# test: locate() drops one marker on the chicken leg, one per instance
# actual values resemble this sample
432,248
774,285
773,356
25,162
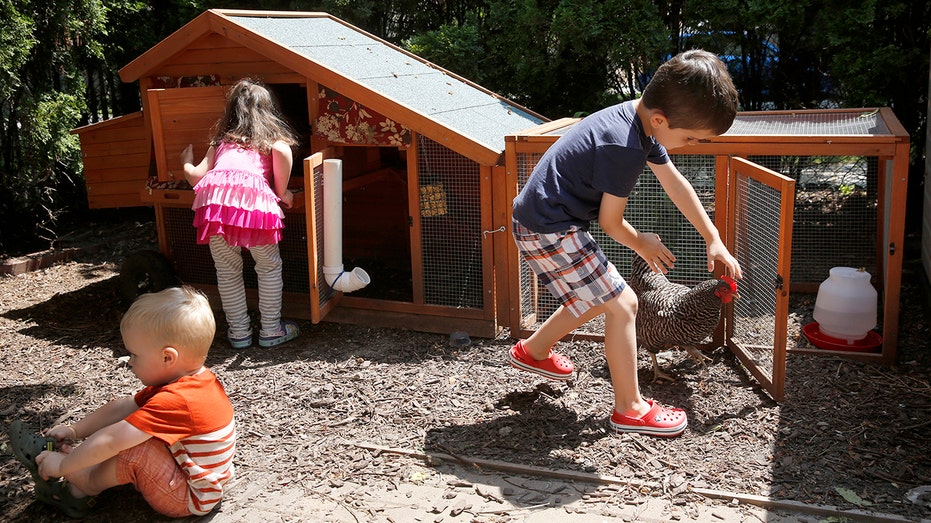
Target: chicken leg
697,356
659,374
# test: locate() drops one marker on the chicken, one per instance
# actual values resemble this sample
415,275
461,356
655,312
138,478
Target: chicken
673,315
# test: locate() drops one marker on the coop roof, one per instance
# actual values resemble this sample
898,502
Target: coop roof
446,108
855,124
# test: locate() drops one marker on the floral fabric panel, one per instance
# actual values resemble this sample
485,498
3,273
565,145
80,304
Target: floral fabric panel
342,120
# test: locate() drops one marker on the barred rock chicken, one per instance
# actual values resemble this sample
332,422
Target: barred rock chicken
673,315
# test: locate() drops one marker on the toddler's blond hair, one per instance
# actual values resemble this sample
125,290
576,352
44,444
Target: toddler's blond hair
179,317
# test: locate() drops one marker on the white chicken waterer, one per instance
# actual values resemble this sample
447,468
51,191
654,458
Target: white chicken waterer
846,305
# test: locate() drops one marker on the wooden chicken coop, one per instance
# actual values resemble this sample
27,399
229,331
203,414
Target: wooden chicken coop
421,151
801,192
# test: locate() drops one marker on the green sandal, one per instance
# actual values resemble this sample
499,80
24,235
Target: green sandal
59,495
26,445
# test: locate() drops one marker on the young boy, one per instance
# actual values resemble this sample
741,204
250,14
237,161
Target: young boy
173,440
588,174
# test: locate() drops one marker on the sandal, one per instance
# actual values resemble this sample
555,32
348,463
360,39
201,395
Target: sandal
658,421
26,445
59,495
554,367
289,330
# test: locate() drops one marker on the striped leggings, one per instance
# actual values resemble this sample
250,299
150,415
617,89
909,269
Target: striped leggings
228,261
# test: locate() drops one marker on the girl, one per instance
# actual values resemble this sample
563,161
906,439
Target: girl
238,187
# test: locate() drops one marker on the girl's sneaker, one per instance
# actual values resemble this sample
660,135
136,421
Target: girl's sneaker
241,343
289,331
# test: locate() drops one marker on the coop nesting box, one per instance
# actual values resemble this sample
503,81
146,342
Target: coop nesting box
794,194
421,150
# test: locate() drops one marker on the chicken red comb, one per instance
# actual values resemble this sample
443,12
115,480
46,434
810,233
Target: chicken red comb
730,281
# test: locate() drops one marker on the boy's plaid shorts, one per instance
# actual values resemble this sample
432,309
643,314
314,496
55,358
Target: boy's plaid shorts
571,265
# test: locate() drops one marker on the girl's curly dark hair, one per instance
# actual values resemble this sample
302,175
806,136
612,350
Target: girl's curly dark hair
252,118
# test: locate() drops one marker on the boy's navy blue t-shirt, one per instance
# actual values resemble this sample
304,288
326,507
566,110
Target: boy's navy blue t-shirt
603,153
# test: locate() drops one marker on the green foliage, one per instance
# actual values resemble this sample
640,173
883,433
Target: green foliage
16,40
846,189
43,49
455,47
563,56
398,20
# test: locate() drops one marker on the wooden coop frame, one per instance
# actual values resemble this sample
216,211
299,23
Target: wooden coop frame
421,150
872,133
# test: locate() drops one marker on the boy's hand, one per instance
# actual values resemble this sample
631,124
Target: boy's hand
50,464
717,251
652,250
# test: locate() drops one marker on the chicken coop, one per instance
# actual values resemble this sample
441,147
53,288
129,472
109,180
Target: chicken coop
793,193
420,152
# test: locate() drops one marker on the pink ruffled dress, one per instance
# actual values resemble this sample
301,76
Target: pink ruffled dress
235,199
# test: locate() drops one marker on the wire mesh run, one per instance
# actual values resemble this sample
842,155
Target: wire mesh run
836,213
648,210
451,233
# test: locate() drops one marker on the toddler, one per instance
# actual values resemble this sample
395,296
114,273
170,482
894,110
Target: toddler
173,440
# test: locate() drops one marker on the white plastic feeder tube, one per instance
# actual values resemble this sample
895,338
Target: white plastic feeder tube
333,272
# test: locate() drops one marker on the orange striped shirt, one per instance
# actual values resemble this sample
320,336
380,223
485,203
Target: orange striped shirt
194,417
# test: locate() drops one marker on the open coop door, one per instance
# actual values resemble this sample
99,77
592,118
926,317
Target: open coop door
182,116
178,117
322,300
760,207
323,212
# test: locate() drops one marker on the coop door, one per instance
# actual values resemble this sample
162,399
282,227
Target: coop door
322,297
759,233
179,117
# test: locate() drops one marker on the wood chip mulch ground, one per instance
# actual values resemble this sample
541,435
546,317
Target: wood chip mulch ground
849,435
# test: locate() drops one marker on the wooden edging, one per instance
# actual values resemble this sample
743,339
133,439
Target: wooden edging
37,261
602,479
516,468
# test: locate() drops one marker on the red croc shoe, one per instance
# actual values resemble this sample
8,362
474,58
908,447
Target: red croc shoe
554,367
659,421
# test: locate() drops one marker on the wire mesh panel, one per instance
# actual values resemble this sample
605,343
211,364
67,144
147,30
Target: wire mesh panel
194,264
757,325
536,303
756,250
650,210
324,292
451,232
836,209
810,123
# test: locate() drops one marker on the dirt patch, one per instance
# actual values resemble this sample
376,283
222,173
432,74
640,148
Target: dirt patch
849,435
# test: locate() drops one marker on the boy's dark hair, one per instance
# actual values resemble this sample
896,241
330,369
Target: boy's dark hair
695,91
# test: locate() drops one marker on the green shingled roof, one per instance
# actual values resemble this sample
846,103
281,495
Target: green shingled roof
386,70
